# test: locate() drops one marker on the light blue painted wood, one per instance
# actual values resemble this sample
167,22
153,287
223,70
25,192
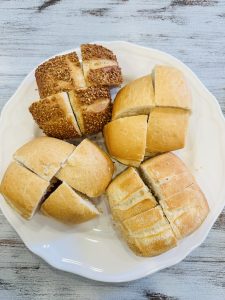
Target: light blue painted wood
193,31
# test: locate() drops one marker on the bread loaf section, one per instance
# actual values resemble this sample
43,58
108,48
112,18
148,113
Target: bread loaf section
152,219
167,107
31,180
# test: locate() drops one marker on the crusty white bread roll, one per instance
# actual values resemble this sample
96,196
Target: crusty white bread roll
136,98
54,115
92,107
44,155
100,66
182,200
88,169
171,88
23,190
59,74
125,139
167,128
149,233
67,206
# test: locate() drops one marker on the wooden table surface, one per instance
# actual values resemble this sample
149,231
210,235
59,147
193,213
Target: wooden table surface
191,30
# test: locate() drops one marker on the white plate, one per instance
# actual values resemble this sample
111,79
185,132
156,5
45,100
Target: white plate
93,249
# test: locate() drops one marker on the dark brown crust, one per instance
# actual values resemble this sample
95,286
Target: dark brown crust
93,51
110,76
54,70
52,119
91,94
94,122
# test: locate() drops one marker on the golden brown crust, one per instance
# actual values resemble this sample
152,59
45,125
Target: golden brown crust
171,88
88,170
93,51
65,205
23,189
167,128
135,98
56,75
126,139
44,155
91,94
109,76
55,117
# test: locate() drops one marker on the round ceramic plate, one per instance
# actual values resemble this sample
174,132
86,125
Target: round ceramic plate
93,249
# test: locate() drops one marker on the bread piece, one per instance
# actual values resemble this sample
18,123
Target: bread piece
59,74
166,174
55,117
100,66
149,233
171,88
44,155
126,139
23,190
136,98
127,189
186,210
92,107
67,206
167,128
88,170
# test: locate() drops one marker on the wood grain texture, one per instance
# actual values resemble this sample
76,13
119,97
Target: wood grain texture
191,30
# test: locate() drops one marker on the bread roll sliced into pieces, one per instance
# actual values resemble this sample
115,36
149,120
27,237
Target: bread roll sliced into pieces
59,74
136,98
54,115
44,155
100,66
23,190
88,169
149,233
126,139
67,206
92,107
167,128
171,89
166,175
186,210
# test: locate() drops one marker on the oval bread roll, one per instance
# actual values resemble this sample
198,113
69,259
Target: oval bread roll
67,206
126,139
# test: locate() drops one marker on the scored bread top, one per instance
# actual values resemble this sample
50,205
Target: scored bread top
66,205
167,128
135,98
88,170
44,155
23,189
171,88
125,139
58,74
55,117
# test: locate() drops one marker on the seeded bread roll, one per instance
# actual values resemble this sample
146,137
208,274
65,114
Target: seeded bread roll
182,200
88,170
171,88
55,117
92,107
67,206
59,74
100,66
167,128
136,98
23,190
125,139
44,155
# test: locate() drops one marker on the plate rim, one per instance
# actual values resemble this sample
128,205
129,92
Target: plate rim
134,276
